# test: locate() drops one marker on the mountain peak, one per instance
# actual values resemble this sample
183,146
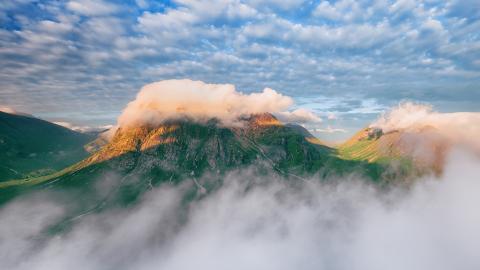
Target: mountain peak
186,146
263,119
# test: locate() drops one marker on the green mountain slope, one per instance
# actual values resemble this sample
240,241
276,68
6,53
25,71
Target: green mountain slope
143,157
412,152
371,145
30,146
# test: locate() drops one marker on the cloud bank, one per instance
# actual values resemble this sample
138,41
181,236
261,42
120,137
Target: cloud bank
300,116
83,129
198,101
460,128
344,224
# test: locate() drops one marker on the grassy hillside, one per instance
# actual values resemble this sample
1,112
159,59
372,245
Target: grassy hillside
139,158
372,146
388,151
30,147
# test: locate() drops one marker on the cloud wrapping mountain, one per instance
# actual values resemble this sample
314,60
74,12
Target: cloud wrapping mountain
198,101
426,125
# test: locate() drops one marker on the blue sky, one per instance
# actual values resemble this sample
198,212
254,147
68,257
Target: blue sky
82,61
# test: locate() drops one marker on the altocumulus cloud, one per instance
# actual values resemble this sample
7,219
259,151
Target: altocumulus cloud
91,56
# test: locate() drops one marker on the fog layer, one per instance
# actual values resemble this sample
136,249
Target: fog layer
260,222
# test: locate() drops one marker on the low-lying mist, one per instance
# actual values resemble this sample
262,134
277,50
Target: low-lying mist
271,224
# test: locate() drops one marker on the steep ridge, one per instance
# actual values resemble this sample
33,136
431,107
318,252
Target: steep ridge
32,147
185,147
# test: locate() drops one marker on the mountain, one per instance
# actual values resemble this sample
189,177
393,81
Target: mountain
139,158
30,147
420,150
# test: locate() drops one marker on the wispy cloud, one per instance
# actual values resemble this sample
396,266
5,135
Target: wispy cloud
329,129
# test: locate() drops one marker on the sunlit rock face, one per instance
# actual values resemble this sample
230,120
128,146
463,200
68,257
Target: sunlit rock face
184,147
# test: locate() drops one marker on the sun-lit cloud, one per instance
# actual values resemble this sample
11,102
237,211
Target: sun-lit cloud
459,128
7,109
176,99
10,110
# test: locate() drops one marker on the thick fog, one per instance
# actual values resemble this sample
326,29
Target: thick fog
339,224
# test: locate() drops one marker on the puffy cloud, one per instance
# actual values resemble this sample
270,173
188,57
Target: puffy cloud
299,116
427,133
401,6
92,7
186,20
199,101
326,10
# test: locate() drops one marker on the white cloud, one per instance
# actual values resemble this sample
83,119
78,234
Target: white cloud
329,129
92,7
332,116
228,9
433,25
401,6
300,116
199,101
192,17
432,129
280,4
326,10
83,128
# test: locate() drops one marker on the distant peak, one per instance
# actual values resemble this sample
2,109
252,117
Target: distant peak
264,119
